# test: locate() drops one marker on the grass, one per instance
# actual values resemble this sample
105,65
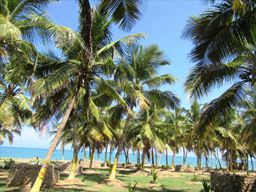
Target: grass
167,182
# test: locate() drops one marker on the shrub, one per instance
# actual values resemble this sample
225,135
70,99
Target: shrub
132,188
194,178
206,186
154,175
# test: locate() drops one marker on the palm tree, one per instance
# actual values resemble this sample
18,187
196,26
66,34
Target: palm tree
224,51
174,133
137,74
62,83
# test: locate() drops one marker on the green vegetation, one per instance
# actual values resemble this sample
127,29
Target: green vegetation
100,94
95,181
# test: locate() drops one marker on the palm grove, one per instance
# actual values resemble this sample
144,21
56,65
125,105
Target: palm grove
101,94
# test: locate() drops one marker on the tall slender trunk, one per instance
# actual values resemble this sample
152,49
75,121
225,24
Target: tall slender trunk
138,157
112,175
206,162
110,153
143,158
128,155
156,159
217,158
199,161
84,152
125,154
185,154
166,159
62,150
106,153
247,163
231,161
38,183
252,162
152,157
173,158
74,166
92,156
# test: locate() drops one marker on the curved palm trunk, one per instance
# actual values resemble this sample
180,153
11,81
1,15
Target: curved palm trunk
173,158
38,183
166,159
112,175
92,156
74,166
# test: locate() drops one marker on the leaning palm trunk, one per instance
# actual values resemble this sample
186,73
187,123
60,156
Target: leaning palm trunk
112,175
38,183
74,166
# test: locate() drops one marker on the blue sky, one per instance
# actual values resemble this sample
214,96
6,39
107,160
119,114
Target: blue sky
163,21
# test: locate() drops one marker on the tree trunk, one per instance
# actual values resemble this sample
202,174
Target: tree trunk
173,157
152,157
125,154
206,162
138,157
199,161
166,159
110,153
252,162
128,155
37,185
112,175
74,166
84,152
92,156
156,158
106,153
217,158
231,161
143,159
185,154
62,150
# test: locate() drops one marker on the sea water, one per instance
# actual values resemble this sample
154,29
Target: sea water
28,153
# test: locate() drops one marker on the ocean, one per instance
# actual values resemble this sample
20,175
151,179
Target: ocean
28,153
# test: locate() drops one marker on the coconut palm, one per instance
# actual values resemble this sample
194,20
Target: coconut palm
62,83
224,52
137,74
